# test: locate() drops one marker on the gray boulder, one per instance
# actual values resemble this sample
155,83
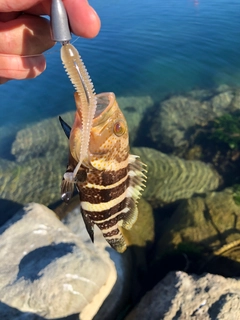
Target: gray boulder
181,296
49,272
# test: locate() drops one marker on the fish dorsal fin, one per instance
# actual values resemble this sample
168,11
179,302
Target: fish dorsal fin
66,128
137,179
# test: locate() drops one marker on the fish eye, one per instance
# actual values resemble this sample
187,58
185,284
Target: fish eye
119,128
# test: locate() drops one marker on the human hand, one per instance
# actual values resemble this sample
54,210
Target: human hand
24,35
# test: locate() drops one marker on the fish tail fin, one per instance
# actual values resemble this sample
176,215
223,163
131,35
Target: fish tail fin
118,244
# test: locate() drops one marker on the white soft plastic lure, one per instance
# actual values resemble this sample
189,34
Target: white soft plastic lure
80,79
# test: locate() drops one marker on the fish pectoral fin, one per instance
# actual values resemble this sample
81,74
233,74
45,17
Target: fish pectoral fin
66,128
137,178
89,225
67,189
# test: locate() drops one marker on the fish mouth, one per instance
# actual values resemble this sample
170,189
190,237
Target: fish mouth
105,101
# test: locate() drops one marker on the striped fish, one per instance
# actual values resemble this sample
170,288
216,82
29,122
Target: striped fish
109,180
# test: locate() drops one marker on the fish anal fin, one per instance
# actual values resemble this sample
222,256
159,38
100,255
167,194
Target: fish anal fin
131,215
89,225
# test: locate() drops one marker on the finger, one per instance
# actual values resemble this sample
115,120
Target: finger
26,35
84,21
17,5
17,67
6,16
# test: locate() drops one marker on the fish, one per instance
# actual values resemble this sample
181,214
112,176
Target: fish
110,180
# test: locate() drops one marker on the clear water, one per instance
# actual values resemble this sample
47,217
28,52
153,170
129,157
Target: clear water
150,47
144,47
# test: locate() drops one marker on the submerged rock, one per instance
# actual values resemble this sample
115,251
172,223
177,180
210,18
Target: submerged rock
210,223
175,120
48,271
181,296
36,180
175,116
41,139
171,178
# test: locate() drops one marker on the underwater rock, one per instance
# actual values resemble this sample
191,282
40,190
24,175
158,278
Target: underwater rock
7,134
47,136
40,139
37,180
171,178
221,102
175,116
182,296
48,271
142,232
174,122
210,223
236,100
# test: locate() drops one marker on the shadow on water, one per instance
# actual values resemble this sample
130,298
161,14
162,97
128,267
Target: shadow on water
8,313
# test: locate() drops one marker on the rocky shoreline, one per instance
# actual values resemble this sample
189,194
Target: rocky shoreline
182,260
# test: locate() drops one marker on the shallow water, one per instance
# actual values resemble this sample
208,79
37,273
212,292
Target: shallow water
144,48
